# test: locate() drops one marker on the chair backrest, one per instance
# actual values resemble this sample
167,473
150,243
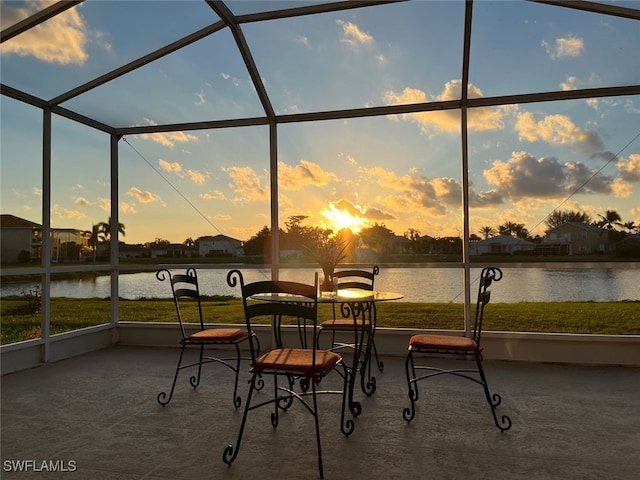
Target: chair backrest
487,277
353,278
186,296
304,309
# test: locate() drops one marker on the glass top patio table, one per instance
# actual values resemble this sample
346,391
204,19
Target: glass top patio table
347,295
361,307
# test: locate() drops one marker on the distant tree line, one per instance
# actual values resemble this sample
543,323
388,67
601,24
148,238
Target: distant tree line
302,240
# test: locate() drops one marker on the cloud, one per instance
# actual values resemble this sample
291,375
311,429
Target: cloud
368,213
621,188
523,177
246,183
201,100
593,103
82,202
127,208
197,177
301,175
557,130
349,159
569,84
105,204
422,195
177,168
174,167
62,212
216,195
234,81
479,119
630,167
167,139
221,216
352,35
144,197
61,39
570,46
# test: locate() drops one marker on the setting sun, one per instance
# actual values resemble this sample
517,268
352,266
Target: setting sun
339,219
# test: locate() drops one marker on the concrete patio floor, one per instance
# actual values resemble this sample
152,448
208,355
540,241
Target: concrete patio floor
99,412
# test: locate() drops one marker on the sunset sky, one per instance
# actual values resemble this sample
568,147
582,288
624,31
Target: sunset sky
403,171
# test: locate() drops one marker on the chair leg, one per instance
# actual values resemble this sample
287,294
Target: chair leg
315,416
346,426
195,381
410,369
237,401
504,423
162,396
368,381
275,418
230,452
375,351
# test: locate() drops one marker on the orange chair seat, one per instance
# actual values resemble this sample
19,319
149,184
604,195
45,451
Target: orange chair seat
217,335
296,360
442,342
341,324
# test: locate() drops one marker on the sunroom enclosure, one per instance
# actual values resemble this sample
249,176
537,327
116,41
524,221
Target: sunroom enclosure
485,85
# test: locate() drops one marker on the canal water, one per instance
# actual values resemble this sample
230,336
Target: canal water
416,284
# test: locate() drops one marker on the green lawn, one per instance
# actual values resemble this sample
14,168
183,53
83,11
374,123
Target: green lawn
609,318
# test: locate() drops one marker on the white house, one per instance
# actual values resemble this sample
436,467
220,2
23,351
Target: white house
219,245
500,244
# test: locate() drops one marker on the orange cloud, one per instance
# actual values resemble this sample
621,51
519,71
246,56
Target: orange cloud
174,167
66,213
82,202
167,139
353,35
61,39
246,183
301,175
216,195
479,119
630,167
557,130
143,197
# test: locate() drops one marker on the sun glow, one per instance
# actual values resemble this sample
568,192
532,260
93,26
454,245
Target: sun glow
341,219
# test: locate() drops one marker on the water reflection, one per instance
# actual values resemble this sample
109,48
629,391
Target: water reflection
417,284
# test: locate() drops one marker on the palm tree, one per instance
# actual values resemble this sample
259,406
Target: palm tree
94,239
487,231
631,227
609,220
512,229
105,229
413,236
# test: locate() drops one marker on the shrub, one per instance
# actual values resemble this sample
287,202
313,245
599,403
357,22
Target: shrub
33,298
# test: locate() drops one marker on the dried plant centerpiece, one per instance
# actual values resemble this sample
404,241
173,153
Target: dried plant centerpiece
328,251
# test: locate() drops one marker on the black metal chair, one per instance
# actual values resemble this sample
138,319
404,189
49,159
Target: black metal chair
186,297
363,280
459,346
303,363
